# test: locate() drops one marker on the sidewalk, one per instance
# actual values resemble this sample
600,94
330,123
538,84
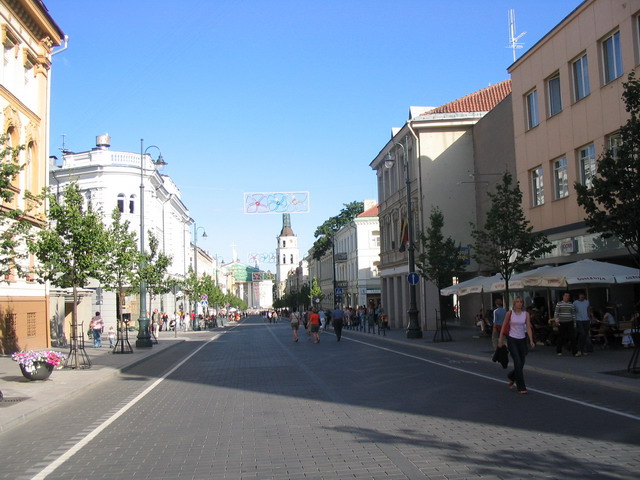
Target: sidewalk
597,367
24,398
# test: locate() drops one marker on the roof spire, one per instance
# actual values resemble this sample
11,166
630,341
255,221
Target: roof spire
286,231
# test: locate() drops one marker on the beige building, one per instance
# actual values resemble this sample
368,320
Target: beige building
439,146
567,109
28,36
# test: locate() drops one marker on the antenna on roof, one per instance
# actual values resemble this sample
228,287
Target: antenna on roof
513,40
64,147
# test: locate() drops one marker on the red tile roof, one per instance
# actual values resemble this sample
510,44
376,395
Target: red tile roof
480,101
372,212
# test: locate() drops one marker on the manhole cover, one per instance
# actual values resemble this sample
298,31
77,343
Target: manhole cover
8,401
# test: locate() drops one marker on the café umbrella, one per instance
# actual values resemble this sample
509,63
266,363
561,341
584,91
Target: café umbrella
583,272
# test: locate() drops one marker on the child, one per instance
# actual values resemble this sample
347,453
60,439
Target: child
112,336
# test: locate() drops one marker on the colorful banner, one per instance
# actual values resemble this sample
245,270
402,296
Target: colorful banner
276,202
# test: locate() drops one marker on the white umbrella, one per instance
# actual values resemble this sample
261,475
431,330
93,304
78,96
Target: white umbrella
519,281
478,284
582,272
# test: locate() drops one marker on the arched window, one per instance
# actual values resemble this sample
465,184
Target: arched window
121,202
284,244
284,259
292,258
132,204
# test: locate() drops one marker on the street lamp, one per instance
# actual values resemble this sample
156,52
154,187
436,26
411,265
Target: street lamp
413,330
195,267
144,338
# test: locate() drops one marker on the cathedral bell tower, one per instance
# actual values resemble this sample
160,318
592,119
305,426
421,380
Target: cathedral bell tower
287,254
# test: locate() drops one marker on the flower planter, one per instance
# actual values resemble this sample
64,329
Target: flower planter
42,371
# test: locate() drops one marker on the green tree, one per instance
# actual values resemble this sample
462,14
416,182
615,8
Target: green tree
14,226
507,244
612,201
155,270
315,291
440,259
122,262
73,248
325,232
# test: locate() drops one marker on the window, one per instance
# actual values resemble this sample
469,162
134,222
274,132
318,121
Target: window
132,204
580,69
537,187
553,95
284,259
121,202
284,244
560,180
291,258
613,142
587,164
611,57
532,109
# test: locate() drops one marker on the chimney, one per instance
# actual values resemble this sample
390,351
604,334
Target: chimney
103,142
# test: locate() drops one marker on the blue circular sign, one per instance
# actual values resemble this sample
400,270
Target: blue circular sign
413,278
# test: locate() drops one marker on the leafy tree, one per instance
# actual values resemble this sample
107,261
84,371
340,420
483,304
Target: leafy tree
612,201
14,226
74,248
324,233
155,269
122,263
506,243
440,259
315,290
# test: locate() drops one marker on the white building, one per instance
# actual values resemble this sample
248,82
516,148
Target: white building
287,254
111,179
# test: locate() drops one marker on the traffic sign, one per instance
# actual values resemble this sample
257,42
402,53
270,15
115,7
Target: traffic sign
339,291
413,278
316,300
204,303
204,297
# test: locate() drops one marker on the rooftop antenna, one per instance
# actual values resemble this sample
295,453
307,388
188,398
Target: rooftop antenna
64,148
513,40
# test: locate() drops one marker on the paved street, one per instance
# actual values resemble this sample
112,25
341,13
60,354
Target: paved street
249,403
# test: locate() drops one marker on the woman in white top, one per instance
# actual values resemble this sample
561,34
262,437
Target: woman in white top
516,326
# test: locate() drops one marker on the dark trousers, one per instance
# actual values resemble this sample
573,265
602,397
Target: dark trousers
566,334
518,350
337,327
584,337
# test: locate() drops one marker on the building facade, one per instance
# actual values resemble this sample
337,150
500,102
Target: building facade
110,179
29,35
567,109
434,160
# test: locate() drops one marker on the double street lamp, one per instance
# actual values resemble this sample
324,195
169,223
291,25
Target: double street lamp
413,330
144,338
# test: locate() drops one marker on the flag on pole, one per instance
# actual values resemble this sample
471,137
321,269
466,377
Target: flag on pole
404,236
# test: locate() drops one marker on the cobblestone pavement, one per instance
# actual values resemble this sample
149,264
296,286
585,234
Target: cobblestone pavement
252,404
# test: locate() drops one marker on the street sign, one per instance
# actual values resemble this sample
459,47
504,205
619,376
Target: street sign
413,278
204,303
316,300
204,297
339,291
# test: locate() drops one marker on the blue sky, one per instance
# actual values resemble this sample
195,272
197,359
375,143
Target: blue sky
272,95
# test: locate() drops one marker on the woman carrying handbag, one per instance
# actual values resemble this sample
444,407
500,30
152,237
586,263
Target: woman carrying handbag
517,326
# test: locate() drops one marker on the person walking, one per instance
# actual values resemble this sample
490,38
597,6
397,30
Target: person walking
294,318
314,325
498,318
565,315
112,336
583,323
96,325
337,318
516,327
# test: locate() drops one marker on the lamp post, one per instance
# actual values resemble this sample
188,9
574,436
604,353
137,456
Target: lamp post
195,267
413,330
144,338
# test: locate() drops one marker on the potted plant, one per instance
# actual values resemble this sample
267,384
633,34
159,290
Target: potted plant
38,365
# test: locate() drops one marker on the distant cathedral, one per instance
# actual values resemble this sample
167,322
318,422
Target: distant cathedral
287,253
